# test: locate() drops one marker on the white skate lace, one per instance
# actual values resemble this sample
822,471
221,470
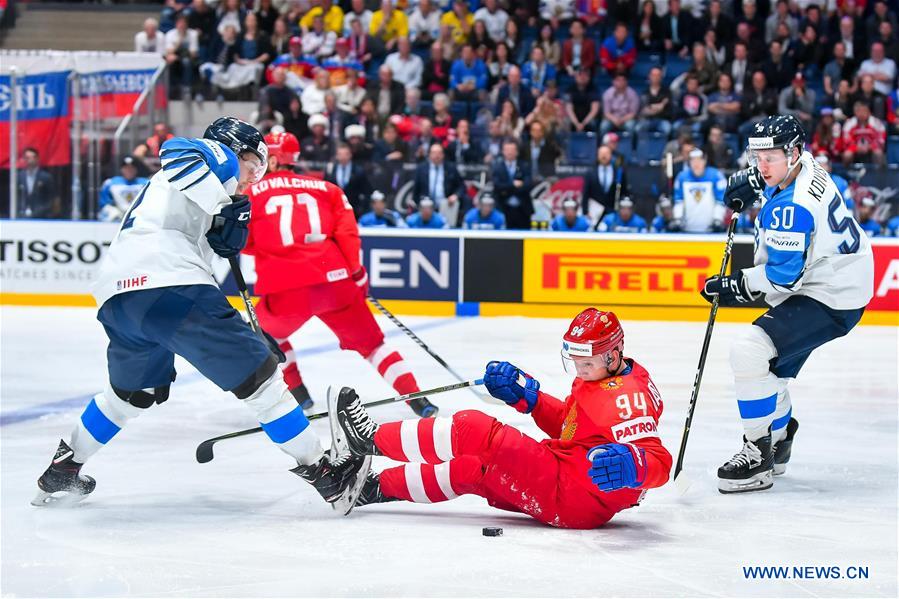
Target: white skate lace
746,456
361,420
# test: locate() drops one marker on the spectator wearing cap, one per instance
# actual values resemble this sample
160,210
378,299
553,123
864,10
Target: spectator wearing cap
798,101
407,68
699,196
485,216
569,220
440,181
426,218
864,137
664,221
582,105
536,73
341,63
840,182
299,68
37,197
468,76
625,220
318,146
424,24
656,105
380,216
864,214
357,12
578,51
387,93
603,185
388,24
355,137
349,175
620,105
330,14
618,52
512,186
119,192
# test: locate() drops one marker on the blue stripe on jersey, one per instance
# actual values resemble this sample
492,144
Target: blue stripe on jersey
169,164
288,426
219,158
200,178
782,421
98,424
788,227
757,408
186,170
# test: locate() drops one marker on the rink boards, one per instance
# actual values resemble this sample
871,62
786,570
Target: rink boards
461,273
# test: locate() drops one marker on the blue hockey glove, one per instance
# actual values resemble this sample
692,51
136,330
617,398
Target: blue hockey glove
508,383
616,466
731,290
228,233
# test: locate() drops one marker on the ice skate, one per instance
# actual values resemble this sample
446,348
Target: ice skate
784,447
751,469
339,481
62,484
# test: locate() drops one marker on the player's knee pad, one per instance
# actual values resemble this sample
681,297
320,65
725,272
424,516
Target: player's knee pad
751,354
255,380
142,398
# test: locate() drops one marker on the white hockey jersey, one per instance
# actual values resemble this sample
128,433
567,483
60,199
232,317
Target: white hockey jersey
807,242
162,239
699,201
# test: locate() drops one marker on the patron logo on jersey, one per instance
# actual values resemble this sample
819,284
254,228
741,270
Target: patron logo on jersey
131,282
632,430
785,241
617,271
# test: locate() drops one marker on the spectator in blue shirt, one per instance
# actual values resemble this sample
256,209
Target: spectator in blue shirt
893,227
623,221
865,216
665,221
468,77
380,215
426,218
570,220
485,216
536,73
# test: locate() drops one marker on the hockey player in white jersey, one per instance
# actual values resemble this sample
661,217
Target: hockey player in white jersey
158,297
119,192
813,265
699,197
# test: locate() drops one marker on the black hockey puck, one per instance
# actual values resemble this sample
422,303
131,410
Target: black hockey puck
492,531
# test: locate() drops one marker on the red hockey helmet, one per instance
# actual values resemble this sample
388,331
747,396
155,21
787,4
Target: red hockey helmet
593,333
283,146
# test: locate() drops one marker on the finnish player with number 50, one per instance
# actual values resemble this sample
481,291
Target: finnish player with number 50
813,265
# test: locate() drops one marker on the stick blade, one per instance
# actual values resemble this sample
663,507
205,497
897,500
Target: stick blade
204,451
682,482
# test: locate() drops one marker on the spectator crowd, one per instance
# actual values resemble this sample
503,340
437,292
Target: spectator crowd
516,88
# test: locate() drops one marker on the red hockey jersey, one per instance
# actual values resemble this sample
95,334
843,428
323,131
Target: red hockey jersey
302,232
620,409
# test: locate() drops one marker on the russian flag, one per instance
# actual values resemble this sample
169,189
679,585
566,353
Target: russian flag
43,114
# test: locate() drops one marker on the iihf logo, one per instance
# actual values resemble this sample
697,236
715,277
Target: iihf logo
131,283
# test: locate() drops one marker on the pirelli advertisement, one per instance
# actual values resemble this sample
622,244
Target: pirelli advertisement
465,273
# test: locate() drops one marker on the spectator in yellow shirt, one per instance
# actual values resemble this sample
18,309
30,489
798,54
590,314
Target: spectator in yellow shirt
459,20
333,16
388,25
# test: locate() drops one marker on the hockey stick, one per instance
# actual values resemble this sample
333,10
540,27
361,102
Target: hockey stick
420,343
204,449
234,261
680,480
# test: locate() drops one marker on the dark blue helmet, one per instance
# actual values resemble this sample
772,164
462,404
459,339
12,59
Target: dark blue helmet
239,136
782,132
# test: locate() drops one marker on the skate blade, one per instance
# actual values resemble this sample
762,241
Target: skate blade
347,501
780,469
339,445
57,499
759,482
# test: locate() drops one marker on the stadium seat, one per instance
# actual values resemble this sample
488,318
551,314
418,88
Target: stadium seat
640,73
733,140
459,110
581,148
649,147
893,149
675,66
626,146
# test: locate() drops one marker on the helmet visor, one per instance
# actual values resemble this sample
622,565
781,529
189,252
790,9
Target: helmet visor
256,167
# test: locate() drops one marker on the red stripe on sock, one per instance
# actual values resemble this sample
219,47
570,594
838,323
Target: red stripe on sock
405,384
389,443
426,441
393,483
432,488
389,361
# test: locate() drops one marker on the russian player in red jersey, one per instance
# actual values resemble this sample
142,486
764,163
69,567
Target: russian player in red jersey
603,453
304,237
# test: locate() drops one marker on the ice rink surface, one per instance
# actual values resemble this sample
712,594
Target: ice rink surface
161,525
